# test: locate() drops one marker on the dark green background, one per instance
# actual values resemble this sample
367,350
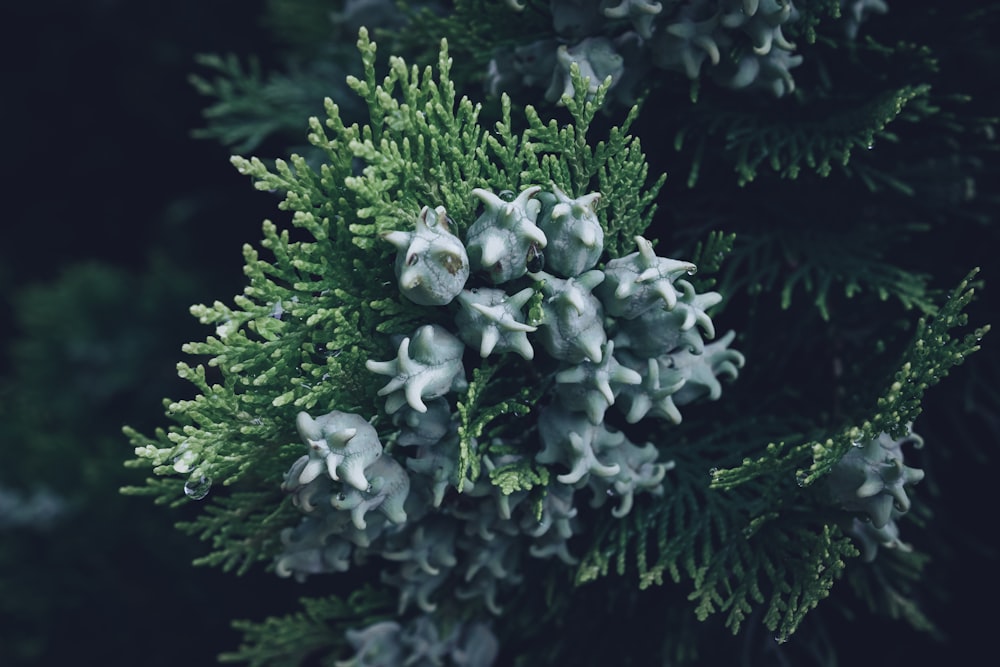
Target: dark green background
116,220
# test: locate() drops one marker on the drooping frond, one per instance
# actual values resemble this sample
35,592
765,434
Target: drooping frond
826,265
733,563
308,634
243,528
752,140
250,106
933,351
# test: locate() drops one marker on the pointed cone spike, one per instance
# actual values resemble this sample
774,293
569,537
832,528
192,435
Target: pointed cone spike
902,502
604,387
413,399
490,339
667,293
523,347
652,273
559,211
332,461
645,249
424,219
493,251
707,326
488,198
575,299
592,349
669,409
401,240
870,488
586,235
342,436
624,290
590,199
353,473
881,511
307,427
534,233
591,279
526,195
508,324
518,299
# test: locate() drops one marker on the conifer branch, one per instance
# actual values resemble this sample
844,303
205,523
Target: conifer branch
826,264
309,634
300,335
932,352
734,566
754,140
756,537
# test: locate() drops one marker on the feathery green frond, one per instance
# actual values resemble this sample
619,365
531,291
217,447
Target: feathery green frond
476,412
250,107
826,264
709,256
308,634
614,165
735,564
519,476
892,585
244,528
933,351
473,28
732,508
754,140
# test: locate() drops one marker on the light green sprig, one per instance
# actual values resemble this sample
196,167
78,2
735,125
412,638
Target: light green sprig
477,410
519,476
615,165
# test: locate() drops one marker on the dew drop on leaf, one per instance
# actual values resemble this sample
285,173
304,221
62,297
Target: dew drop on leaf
185,461
197,489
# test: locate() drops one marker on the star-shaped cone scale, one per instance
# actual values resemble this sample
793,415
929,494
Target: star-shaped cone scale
433,369
637,282
493,321
505,236
591,384
654,395
692,307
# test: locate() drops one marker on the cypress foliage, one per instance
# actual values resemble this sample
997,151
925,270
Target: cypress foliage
804,206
